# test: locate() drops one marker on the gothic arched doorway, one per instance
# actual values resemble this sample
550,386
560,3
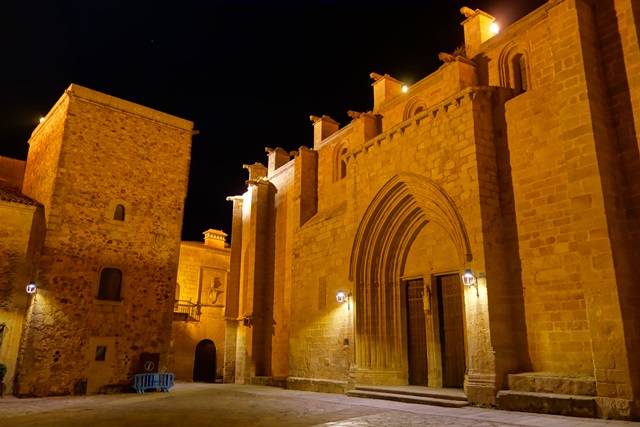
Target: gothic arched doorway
387,303
204,363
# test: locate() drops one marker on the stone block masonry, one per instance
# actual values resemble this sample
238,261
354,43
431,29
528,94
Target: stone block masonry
93,155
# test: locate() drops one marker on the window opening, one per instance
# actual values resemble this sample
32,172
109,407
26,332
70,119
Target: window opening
118,215
110,283
520,78
343,163
101,353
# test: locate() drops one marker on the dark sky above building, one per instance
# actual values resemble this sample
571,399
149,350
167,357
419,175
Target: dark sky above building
248,73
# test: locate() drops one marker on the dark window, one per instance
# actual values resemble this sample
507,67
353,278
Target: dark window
110,281
118,215
101,353
343,163
520,78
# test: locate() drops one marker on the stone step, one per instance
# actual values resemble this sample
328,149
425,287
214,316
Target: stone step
548,403
438,393
555,383
407,396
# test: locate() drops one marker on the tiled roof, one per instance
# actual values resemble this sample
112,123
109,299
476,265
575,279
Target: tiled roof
10,195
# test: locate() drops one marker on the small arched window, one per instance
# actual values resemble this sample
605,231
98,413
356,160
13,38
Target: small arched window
118,214
110,284
340,161
343,163
513,65
520,78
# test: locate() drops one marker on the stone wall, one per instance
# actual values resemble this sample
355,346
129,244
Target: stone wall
21,229
519,163
203,275
92,153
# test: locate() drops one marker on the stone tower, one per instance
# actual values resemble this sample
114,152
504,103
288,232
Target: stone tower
112,176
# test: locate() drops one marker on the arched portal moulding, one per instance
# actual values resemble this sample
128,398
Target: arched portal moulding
391,223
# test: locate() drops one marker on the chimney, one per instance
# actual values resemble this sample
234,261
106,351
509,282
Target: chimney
323,127
215,238
477,30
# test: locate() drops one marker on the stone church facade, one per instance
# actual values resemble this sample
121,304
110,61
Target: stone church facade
516,162
475,231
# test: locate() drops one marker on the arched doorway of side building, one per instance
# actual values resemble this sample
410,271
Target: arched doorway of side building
204,363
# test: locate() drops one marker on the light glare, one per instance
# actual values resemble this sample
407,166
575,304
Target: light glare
494,28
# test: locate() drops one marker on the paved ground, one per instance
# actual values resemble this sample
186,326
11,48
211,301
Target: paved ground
196,404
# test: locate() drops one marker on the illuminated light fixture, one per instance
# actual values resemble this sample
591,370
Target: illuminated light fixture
41,119
494,29
404,88
31,288
342,297
468,279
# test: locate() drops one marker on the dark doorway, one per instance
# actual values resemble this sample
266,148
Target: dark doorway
451,330
204,364
416,333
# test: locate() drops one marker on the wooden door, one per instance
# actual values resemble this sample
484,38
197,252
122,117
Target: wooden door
416,333
451,330
204,363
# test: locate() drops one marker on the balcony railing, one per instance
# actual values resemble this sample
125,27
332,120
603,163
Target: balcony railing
186,311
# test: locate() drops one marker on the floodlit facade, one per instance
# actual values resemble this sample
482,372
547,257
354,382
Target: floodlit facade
198,331
93,219
517,162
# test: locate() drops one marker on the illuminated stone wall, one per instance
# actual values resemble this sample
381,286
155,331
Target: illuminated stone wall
21,229
203,274
91,153
520,163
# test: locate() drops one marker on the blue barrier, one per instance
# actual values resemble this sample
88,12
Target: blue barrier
142,382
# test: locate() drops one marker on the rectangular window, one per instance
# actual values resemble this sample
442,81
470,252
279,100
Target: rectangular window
101,353
110,284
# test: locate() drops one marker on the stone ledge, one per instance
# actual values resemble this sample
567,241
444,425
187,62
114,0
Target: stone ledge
548,403
555,383
280,382
316,384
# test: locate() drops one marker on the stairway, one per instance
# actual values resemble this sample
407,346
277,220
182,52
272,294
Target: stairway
550,393
447,397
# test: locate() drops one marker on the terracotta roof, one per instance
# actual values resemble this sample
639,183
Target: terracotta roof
11,195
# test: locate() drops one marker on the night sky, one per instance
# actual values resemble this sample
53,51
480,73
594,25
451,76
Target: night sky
247,73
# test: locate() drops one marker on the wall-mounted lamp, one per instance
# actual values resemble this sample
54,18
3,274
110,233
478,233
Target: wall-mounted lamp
342,297
468,279
31,288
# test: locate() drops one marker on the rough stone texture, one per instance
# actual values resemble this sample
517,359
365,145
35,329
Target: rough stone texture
544,382
21,233
12,172
548,403
203,273
91,153
519,163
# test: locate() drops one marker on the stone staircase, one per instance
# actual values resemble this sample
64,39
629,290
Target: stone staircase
447,397
550,393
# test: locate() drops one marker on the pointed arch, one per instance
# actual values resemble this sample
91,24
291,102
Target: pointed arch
404,205
390,225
